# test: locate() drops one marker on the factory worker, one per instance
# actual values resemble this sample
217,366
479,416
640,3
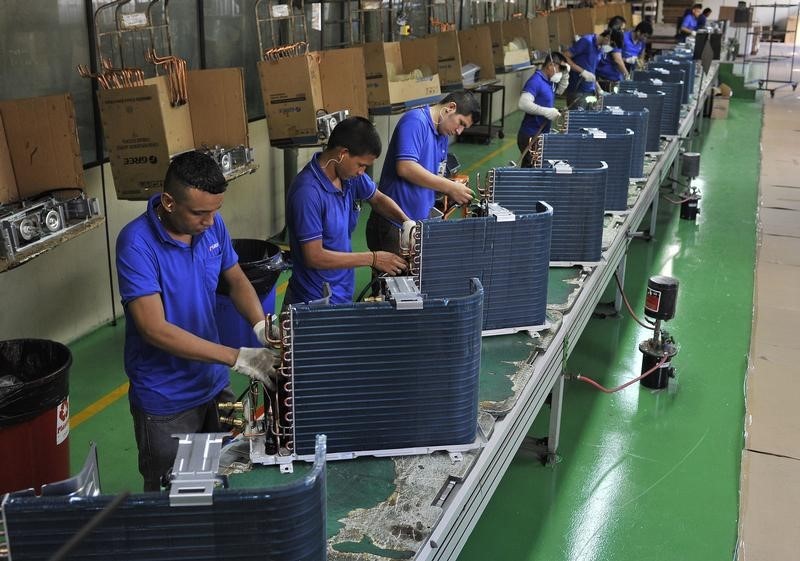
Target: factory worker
169,261
702,19
688,25
582,58
611,68
415,165
322,211
617,23
634,44
538,98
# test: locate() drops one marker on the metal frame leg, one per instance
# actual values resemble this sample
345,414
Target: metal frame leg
618,293
556,401
651,230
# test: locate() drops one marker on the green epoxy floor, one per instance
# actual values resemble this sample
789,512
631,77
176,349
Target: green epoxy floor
640,475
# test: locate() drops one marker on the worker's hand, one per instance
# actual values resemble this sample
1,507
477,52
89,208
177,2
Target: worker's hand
588,76
258,364
405,235
460,193
387,262
631,59
551,113
693,33
260,331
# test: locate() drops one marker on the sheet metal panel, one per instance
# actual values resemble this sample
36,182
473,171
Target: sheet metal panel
510,258
372,377
577,198
617,122
653,102
283,523
670,116
665,73
688,65
585,150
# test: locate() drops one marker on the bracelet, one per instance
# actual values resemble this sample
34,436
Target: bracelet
374,259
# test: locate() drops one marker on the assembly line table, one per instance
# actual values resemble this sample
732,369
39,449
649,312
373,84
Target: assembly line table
425,507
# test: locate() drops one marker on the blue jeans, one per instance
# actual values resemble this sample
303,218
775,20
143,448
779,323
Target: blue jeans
154,440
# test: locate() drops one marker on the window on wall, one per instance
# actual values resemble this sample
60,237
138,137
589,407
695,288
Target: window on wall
41,43
231,40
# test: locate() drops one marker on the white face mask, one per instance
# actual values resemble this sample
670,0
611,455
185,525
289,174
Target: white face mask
607,48
556,78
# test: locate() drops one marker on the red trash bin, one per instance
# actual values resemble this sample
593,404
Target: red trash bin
34,413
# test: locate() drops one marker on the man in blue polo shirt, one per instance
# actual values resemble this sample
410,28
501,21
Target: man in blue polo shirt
611,68
538,97
169,261
415,165
582,58
634,44
688,25
322,211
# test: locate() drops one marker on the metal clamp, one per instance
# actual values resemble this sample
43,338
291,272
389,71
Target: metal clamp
405,294
194,473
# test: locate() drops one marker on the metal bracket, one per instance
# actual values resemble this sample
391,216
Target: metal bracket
456,457
595,132
195,471
287,468
502,214
405,294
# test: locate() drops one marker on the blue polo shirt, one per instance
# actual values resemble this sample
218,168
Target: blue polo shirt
316,209
416,139
630,47
606,69
543,92
688,22
585,52
149,261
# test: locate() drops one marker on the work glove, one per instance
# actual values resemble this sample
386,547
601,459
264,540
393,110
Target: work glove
261,333
551,113
588,76
405,235
631,60
694,33
258,364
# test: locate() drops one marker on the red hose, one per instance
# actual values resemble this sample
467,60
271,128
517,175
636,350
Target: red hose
628,304
626,384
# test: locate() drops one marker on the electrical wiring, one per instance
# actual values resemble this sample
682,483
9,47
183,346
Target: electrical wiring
604,389
647,325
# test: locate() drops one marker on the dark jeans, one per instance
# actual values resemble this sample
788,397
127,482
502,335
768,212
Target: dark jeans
577,100
523,139
382,235
157,447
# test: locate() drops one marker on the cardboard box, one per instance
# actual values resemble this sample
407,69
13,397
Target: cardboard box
562,35
39,147
540,33
721,101
384,61
344,83
449,59
501,33
296,89
292,92
143,130
476,48
582,21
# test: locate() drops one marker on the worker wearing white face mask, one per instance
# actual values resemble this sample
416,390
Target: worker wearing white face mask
582,58
538,98
611,68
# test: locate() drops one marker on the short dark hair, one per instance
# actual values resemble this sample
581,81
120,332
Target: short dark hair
707,12
196,170
644,28
696,6
616,22
466,104
617,38
357,135
555,57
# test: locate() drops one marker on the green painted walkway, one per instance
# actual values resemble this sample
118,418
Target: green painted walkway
641,475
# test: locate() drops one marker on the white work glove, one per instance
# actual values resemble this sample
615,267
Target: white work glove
551,113
631,59
588,76
260,331
405,235
258,364
694,33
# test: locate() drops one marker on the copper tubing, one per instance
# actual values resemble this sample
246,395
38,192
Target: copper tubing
275,343
286,51
111,78
176,75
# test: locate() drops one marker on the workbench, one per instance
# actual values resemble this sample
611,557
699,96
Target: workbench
425,507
